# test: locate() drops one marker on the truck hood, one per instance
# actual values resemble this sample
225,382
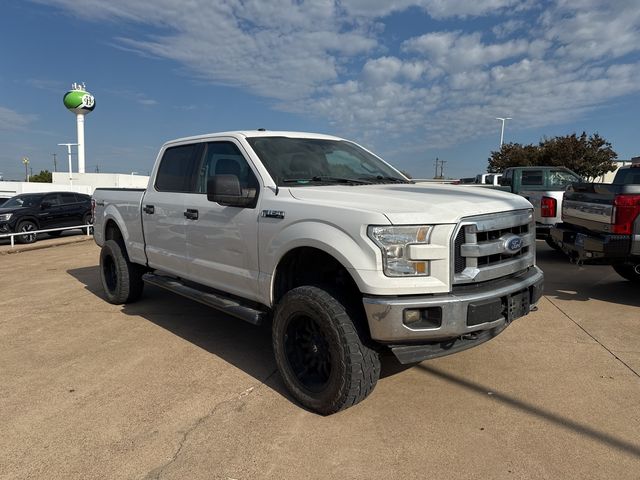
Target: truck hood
414,203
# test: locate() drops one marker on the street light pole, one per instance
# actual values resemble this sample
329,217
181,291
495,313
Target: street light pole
502,130
69,145
25,160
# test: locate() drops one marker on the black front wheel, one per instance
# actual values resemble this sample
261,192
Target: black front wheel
629,271
319,352
121,279
25,227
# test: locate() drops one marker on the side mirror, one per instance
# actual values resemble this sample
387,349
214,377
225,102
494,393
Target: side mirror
45,205
225,190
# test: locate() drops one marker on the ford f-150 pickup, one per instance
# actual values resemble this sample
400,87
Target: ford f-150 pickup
339,251
601,223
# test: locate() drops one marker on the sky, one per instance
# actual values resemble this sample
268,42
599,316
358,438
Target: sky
412,80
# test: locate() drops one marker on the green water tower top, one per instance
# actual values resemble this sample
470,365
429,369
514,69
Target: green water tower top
78,100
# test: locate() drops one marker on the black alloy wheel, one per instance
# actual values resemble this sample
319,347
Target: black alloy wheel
27,226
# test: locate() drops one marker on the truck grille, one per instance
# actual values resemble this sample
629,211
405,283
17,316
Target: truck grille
493,246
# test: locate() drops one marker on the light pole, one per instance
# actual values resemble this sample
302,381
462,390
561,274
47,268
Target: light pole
502,130
25,160
69,145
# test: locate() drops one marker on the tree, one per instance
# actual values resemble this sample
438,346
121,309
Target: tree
587,156
43,177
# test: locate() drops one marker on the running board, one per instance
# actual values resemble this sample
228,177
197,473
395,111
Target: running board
219,302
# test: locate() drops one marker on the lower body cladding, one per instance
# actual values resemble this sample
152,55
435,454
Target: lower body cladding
417,328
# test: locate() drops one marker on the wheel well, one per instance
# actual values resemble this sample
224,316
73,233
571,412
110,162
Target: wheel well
311,266
112,232
30,219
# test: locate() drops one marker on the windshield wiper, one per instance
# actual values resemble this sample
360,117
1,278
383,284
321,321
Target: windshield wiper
327,179
386,179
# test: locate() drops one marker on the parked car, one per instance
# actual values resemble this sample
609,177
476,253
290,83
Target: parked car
346,255
29,212
544,187
601,223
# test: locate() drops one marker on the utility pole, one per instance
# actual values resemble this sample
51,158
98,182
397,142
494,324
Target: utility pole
55,164
440,163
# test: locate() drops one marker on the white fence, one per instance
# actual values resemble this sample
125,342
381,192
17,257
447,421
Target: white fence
88,227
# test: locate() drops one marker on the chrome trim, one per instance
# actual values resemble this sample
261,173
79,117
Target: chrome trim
493,247
472,250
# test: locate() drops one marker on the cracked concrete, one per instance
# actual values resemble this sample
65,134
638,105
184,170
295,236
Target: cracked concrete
168,389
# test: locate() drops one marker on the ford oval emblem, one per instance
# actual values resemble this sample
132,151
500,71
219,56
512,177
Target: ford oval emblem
514,244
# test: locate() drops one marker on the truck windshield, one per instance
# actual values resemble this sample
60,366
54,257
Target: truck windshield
311,161
23,201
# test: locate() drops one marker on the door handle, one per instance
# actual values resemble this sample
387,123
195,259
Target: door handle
191,214
150,209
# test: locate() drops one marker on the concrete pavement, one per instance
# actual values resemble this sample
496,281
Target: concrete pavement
167,388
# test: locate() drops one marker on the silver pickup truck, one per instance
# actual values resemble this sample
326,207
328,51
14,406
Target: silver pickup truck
341,252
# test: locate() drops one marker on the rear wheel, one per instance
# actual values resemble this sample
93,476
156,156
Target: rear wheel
121,279
628,271
319,352
27,226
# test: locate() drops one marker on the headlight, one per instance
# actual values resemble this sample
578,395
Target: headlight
5,217
393,241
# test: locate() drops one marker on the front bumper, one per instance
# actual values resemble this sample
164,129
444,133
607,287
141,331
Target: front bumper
594,248
468,316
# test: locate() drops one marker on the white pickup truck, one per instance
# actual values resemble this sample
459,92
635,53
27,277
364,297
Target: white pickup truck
345,256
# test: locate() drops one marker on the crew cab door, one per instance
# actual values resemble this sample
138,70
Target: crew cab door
163,207
222,241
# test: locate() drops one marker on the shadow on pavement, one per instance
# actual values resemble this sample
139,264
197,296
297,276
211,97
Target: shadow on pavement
241,344
530,409
564,280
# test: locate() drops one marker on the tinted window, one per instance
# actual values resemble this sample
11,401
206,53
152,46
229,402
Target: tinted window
176,171
52,200
224,158
532,177
68,198
628,176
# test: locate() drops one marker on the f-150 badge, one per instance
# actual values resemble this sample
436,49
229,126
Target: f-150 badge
272,214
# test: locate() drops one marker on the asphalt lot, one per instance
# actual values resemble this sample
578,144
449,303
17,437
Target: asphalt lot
167,388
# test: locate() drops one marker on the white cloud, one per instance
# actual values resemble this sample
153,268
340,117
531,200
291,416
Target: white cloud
435,8
11,120
539,62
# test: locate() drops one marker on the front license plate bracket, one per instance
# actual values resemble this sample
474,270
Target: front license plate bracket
517,305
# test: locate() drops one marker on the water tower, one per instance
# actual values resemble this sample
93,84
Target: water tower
80,102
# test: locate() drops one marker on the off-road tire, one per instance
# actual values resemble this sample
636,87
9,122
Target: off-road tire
121,279
627,271
353,368
26,225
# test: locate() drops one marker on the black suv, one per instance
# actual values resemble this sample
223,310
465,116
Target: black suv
40,211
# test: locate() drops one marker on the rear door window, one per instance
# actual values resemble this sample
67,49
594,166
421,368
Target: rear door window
532,177
176,172
68,198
